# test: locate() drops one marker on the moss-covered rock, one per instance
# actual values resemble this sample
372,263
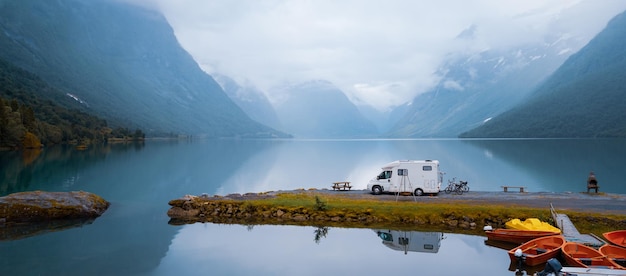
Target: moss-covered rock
39,206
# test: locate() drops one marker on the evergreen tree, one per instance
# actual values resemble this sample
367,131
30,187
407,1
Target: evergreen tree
14,130
14,105
28,117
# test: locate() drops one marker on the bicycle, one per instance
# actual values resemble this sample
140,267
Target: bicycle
458,188
464,186
451,186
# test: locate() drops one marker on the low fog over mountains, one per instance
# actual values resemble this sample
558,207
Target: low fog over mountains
475,87
251,100
123,63
585,97
319,109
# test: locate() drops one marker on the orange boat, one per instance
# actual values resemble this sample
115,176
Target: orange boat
616,254
616,237
516,236
538,251
580,255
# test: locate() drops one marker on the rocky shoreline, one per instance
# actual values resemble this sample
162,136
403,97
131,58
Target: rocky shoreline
26,214
235,209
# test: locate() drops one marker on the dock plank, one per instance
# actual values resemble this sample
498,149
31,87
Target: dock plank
569,231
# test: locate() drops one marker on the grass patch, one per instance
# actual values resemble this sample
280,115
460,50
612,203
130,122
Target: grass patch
394,208
460,216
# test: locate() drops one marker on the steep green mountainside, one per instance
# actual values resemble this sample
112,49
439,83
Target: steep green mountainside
124,63
585,97
28,104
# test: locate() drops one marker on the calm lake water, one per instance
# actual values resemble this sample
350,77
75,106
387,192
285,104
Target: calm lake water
134,238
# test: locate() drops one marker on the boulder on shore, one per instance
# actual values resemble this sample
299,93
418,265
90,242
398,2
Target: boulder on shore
39,206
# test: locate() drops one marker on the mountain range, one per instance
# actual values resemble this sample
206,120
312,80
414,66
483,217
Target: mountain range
250,99
476,86
474,90
318,109
585,97
123,63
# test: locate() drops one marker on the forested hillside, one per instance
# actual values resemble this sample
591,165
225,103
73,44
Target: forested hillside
32,113
124,62
585,97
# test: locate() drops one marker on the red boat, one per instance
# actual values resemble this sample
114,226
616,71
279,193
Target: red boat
538,251
516,236
616,237
616,254
580,255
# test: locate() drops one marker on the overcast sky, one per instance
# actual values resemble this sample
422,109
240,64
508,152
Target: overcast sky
378,52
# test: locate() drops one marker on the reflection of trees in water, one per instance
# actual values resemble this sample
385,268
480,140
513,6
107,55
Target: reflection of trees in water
320,232
14,174
30,155
57,165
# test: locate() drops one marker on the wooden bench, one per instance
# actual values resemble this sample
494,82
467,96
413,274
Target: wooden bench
342,185
521,188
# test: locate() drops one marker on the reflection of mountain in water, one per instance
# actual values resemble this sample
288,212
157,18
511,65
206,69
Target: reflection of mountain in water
132,236
564,164
413,241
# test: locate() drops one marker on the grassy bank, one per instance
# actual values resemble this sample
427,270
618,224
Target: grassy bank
322,209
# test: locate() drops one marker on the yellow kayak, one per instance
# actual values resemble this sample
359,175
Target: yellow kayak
531,224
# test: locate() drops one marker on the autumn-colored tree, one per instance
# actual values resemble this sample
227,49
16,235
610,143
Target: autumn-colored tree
30,141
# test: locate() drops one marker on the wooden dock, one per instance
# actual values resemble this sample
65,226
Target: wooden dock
570,232
582,271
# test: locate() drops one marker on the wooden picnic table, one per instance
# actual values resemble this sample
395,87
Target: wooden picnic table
341,185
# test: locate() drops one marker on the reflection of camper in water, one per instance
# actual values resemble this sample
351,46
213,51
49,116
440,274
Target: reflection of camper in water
411,240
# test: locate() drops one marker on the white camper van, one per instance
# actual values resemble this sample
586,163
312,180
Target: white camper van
413,176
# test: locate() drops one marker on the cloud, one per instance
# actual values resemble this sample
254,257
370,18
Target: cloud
452,85
378,52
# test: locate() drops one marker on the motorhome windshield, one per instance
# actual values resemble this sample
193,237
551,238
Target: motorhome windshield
384,175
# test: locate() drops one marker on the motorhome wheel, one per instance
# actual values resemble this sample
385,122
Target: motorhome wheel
377,190
419,192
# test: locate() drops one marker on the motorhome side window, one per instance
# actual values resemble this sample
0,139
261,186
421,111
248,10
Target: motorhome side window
384,175
427,168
